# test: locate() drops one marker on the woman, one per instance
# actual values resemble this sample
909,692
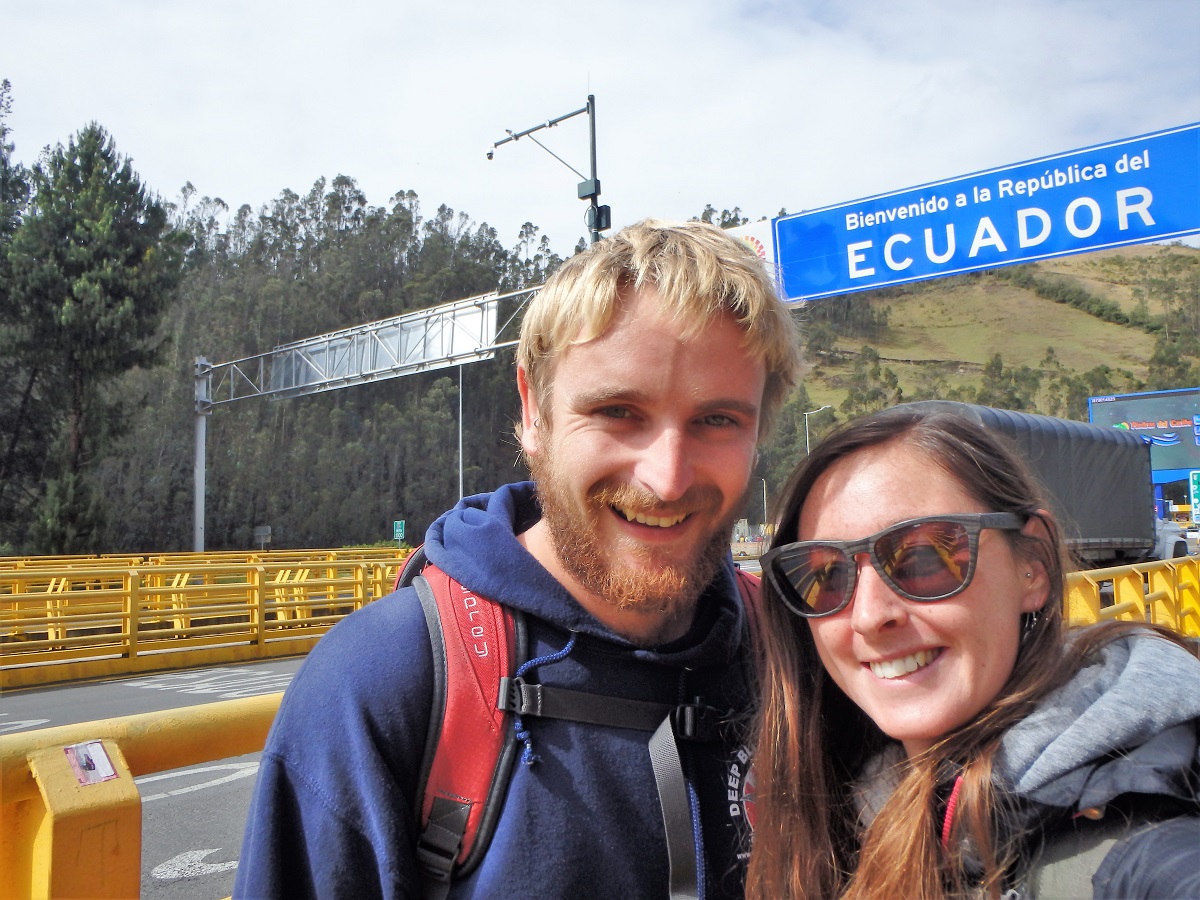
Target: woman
926,727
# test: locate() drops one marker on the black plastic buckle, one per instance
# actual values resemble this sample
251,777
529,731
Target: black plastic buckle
696,721
520,697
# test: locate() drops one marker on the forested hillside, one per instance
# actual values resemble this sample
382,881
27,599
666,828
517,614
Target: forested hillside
336,469
1040,337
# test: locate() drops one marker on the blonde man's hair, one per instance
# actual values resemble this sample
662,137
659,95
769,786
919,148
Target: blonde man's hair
699,271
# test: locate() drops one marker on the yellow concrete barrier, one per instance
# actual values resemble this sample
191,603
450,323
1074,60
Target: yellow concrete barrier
62,835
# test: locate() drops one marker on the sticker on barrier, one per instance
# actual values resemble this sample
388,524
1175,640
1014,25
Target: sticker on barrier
90,763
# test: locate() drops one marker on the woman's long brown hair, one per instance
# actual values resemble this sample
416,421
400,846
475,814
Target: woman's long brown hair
812,741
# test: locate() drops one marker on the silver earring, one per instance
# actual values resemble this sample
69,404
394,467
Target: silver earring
1028,574
1029,623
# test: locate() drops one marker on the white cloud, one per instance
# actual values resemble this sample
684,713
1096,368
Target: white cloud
758,104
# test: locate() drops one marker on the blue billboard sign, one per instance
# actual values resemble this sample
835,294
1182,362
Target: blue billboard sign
1169,421
1130,191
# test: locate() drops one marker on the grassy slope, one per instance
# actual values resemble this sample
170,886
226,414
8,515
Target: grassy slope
969,320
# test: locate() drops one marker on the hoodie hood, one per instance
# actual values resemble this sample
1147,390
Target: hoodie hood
1125,724
476,544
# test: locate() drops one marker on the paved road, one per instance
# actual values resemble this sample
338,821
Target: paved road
193,818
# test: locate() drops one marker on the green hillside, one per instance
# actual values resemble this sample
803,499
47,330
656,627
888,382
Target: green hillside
953,327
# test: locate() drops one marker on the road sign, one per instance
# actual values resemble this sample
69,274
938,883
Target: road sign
1194,494
1130,191
398,530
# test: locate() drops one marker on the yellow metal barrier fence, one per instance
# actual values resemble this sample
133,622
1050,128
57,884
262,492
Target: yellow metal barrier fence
46,811
91,619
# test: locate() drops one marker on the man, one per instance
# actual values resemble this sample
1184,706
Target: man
649,367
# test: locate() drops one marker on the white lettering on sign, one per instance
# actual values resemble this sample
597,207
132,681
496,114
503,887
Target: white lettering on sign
894,264
1051,178
986,236
924,206
1031,226
1024,237
1141,206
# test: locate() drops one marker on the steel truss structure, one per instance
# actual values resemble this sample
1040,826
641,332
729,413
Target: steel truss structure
453,334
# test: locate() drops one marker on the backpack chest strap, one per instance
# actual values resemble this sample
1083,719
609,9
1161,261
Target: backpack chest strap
691,721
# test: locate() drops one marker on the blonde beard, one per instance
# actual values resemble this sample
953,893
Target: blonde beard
653,583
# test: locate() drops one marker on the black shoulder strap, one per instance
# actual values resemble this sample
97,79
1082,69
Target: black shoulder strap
447,830
413,564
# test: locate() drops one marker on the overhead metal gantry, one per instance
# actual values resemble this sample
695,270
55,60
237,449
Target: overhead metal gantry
452,334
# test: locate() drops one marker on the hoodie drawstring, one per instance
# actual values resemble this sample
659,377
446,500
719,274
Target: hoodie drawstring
527,755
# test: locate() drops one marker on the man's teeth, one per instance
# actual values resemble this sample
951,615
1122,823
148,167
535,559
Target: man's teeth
653,521
894,668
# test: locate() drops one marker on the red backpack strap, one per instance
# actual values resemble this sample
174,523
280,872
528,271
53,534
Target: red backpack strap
469,748
749,586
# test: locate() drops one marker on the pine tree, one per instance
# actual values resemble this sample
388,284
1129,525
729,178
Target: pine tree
92,266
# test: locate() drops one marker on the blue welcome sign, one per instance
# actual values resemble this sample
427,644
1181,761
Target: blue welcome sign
1126,192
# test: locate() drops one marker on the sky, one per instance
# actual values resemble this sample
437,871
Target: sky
761,104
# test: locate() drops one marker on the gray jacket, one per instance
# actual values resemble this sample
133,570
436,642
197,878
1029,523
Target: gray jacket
1106,772
1108,757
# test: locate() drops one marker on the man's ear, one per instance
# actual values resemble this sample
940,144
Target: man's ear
530,413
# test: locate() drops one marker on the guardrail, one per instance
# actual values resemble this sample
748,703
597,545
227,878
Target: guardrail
62,837
1165,593
87,618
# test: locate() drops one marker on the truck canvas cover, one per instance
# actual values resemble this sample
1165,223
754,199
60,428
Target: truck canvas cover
1098,479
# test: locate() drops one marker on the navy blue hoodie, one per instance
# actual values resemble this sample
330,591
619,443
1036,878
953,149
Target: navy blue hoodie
333,810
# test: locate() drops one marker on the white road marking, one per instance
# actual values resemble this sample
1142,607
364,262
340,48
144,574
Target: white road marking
21,724
239,770
190,865
225,682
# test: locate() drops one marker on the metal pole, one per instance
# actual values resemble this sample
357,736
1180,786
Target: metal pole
203,410
591,108
766,520
460,432
806,415
198,483
599,217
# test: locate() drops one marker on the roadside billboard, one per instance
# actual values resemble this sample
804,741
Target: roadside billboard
1124,192
1169,421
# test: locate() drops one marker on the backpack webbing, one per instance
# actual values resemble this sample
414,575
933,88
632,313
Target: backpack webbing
464,779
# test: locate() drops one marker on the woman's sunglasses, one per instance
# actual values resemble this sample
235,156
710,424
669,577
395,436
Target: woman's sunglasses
927,559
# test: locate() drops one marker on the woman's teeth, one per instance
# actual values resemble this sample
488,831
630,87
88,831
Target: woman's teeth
894,668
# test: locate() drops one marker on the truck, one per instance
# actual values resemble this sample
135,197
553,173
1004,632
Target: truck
1098,480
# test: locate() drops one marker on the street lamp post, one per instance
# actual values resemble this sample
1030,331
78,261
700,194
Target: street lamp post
806,415
765,519
599,218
